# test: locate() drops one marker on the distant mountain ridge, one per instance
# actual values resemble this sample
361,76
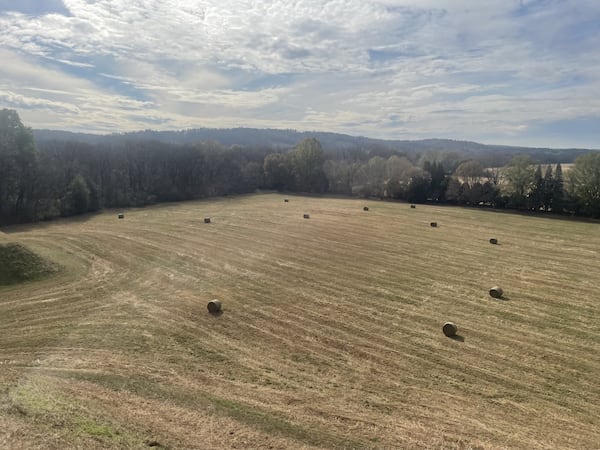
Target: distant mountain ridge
279,140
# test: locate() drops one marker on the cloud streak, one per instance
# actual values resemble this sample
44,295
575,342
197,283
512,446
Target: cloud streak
500,71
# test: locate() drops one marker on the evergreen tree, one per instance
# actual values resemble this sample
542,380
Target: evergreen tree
438,179
418,186
558,191
490,194
548,189
536,197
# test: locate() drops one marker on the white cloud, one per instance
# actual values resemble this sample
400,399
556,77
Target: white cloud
391,68
13,98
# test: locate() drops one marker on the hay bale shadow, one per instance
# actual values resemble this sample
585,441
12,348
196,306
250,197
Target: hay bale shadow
457,337
218,313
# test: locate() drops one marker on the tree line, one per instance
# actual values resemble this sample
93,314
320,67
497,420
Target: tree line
62,178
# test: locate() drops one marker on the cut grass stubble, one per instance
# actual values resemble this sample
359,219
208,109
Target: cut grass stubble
331,337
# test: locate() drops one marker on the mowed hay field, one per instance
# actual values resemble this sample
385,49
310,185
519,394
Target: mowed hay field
330,334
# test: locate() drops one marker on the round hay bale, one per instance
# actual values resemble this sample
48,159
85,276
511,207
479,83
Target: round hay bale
433,224
285,200
496,292
413,206
121,216
365,208
494,241
214,306
450,329
207,220
306,216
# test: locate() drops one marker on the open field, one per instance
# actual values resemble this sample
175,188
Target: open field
501,171
331,334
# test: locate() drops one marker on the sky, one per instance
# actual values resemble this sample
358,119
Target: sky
516,72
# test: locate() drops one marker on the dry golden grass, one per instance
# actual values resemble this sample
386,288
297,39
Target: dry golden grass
330,337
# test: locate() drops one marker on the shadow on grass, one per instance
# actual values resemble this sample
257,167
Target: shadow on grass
218,313
458,337
41,224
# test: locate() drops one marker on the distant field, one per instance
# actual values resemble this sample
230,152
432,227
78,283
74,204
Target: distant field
330,335
565,168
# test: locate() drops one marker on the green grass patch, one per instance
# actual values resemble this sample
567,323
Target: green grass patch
19,264
44,404
33,399
249,415
99,430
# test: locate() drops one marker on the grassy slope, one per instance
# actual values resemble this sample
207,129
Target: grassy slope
330,337
19,264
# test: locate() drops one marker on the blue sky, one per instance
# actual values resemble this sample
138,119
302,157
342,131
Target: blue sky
518,72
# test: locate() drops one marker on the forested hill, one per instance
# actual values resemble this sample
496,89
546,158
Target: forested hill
272,139
62,174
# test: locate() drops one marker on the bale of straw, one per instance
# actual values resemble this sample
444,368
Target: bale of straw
214,306
450,329
207,220
121,216
285,200
496,292
306,216
493,241
433,224
413,206
365,208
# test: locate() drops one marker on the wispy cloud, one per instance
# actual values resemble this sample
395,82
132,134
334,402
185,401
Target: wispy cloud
506,71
